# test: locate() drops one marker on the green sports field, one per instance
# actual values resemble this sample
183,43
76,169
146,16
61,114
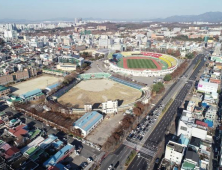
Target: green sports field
141,63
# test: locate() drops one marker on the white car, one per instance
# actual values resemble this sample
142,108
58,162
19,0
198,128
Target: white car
89,159
110,167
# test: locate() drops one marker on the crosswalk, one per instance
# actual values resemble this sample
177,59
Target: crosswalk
139,148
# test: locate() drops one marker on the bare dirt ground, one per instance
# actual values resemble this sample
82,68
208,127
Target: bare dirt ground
101,133
35,83
98,91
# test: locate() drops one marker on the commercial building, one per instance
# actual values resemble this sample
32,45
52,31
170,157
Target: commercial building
211,113
88,122
207,87
174,152
188,128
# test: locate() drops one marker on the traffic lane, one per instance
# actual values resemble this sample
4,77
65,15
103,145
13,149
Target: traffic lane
139,163
118,161
159,131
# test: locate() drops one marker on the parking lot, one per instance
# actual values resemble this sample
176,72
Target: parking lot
138,134
101,133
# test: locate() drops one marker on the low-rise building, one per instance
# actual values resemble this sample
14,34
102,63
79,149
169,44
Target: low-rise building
110,107
211,113
32,95
4,91
174,152
88,122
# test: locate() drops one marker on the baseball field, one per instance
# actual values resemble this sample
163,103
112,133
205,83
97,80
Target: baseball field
98,91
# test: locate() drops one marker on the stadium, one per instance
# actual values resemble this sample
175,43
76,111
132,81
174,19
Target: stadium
145,64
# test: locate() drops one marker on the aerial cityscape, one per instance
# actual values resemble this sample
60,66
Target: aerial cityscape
110,85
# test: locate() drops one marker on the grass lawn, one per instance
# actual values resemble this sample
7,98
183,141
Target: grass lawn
141,63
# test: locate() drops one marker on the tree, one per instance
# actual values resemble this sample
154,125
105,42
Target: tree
167,77
137,111
177,53
158,87
189,55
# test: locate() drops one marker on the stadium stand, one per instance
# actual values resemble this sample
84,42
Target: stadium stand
166,60
133,85
172,60
89,76
156,55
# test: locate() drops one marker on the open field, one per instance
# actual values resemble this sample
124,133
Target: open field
35,83
140,63
98,91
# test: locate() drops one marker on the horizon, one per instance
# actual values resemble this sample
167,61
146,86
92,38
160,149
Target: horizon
109,10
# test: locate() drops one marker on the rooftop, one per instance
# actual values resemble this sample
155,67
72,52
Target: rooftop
188,165
195,141
175,146
53,159
88,120
31,93
3,88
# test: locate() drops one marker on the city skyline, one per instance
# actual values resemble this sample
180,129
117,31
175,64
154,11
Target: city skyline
126,9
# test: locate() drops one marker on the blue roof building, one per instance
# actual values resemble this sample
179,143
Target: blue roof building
47,142
57,144
31,95
183,140
88,122
60,155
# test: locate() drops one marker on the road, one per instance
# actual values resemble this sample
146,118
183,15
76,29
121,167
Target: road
159,132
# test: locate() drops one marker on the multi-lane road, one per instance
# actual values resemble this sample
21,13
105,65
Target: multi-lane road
182,86
159,132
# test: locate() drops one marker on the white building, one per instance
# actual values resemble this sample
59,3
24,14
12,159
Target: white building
191,106
174,152
211,113
207,87
110,107
188,128
10,35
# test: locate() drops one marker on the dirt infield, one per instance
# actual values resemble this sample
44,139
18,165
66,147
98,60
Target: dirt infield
159,67
36,83
98,91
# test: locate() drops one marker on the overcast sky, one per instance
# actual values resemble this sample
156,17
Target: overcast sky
106,9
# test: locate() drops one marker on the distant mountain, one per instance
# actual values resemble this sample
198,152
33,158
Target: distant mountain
206,17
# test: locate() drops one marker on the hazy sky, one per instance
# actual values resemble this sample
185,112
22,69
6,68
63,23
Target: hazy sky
109,9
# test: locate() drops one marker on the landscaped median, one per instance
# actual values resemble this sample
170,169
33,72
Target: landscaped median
197,64
130,158
167,105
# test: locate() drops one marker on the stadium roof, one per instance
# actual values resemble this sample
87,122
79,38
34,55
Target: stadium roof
53,86
88,120
31,93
